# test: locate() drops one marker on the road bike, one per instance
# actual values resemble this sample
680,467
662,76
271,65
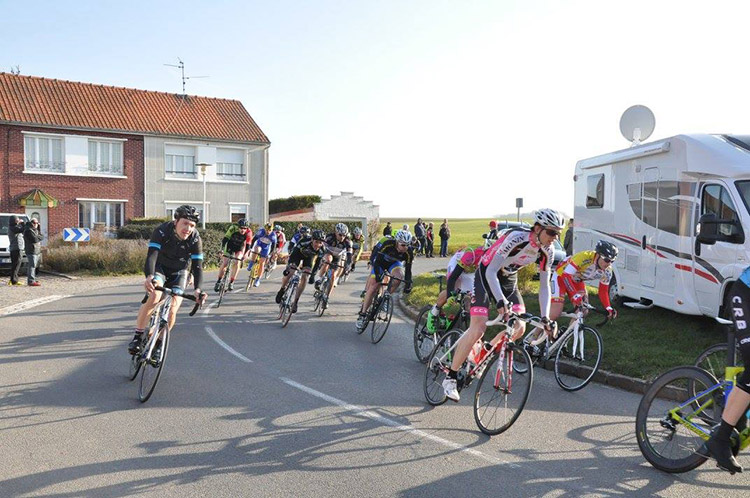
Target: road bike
502,390
577,350
380,311
224,282
681,408
285,307
424,340
323,290
254,273
270,267
152,352
714,359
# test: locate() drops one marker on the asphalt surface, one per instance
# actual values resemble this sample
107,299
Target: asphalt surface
245,408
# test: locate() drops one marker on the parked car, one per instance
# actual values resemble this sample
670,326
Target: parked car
5,240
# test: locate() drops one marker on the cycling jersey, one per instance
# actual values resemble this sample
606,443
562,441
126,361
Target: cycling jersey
739,296
280,241
469,258
461,268
386,256
577,269
294,240
266,241
235,241
335,247
357,248
305,253
171,255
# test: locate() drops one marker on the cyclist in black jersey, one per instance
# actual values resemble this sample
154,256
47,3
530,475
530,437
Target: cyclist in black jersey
338,252
174,251
306,251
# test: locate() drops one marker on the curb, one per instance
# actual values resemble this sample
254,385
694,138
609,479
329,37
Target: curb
611,379
63,275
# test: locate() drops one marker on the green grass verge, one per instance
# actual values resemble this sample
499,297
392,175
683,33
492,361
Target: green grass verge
640,343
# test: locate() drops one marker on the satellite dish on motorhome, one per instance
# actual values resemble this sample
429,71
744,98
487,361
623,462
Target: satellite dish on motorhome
637,124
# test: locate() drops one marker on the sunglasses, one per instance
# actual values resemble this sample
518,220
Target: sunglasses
552,233
401,244
607,260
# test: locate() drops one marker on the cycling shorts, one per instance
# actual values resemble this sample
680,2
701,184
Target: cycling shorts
171,279
230,251
465,281
480,301
379,268
558,290
297,257
739,299
263,249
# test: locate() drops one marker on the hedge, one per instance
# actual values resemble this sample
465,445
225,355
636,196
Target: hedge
292,203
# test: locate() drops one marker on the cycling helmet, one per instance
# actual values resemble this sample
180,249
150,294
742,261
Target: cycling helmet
357,232
267,226
549,218
318,235
493,224
242,223
342,229
187,212
304,230
403,236
278,228
606,249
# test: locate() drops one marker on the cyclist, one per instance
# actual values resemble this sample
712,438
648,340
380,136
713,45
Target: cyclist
719,445
280,242
305,252
236,243
302,232
393,254
263,244
461,268
497,277
174,251
338,246
358,245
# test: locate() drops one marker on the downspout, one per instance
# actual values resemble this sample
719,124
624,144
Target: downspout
7,167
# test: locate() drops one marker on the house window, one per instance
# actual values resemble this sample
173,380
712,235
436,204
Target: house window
230,164
100,215
105,157
237,212
179,161
595,191
44,154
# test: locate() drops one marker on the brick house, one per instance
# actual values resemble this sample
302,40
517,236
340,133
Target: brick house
78,154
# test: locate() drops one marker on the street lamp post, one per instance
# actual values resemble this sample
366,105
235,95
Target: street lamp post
203,167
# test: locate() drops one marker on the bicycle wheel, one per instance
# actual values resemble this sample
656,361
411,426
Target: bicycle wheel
578,359
222,291
323,301
382,319
521,366
438,365
501,394
286,305
424,340
714,360
150,372
134,366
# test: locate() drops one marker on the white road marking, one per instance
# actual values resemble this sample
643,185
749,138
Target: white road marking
9,310
396,425
226,346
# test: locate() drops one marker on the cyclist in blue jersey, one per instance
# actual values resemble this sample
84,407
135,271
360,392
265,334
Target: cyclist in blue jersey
264,243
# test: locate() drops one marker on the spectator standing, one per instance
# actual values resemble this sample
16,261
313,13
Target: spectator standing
388,230
32,238
15,234
568,241
429,240
444,233
419,233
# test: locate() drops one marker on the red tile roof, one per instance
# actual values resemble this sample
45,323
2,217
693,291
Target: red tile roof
69,104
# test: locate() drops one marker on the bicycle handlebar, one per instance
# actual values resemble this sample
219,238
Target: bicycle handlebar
524,317
574,313
167,290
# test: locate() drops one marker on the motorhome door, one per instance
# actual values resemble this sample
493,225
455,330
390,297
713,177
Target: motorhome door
650,218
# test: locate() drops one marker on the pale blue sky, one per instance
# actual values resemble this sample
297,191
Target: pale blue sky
428,108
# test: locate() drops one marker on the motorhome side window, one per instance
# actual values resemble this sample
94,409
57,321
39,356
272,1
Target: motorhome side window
716,200
595,191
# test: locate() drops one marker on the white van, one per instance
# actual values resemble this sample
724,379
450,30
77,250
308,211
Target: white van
5,240
650,200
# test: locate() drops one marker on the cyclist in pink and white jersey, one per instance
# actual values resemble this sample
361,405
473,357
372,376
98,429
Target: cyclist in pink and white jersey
496,280
460,271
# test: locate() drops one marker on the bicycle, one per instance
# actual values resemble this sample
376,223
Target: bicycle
577,351
149,361
254,274
269,268
714,359
496,386
320,296
380,311
223,283
424,340
679,411
285,308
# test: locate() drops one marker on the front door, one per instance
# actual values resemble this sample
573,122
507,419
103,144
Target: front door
650,218
41,215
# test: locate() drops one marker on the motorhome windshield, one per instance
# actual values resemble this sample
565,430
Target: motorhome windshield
743,187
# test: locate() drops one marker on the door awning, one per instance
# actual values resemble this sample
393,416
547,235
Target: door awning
38,198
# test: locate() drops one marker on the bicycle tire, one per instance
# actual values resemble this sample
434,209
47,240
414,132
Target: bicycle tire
424,340
222,291
570,373
134,366
382,317
150,377
321,308
286,308
655,432
496,388
714,359
435,372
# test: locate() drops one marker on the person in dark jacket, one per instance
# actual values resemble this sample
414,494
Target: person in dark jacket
15,234
429,240
445,234
419,233
388,230
32,238
568,241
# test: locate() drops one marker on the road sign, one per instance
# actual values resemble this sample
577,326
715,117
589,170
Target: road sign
519,202
76,234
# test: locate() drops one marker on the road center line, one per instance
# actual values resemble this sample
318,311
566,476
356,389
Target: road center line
396,425
9,310
226,346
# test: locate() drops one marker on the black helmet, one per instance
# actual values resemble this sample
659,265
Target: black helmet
606,249
187,212
318,235
242,223
304,230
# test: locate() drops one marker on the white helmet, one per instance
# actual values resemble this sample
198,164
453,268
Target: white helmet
342,229
549,218
403,236
357,231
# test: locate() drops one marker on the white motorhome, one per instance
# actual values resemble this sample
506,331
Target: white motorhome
650,200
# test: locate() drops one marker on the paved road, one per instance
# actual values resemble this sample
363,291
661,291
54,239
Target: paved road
310,410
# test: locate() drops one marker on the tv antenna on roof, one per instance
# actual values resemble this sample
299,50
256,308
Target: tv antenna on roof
181,66
637,124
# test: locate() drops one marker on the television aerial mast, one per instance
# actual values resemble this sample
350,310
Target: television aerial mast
181,66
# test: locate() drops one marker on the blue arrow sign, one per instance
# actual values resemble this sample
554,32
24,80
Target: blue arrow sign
76,235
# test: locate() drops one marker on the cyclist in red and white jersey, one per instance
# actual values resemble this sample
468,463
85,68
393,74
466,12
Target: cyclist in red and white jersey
496,279
280,243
